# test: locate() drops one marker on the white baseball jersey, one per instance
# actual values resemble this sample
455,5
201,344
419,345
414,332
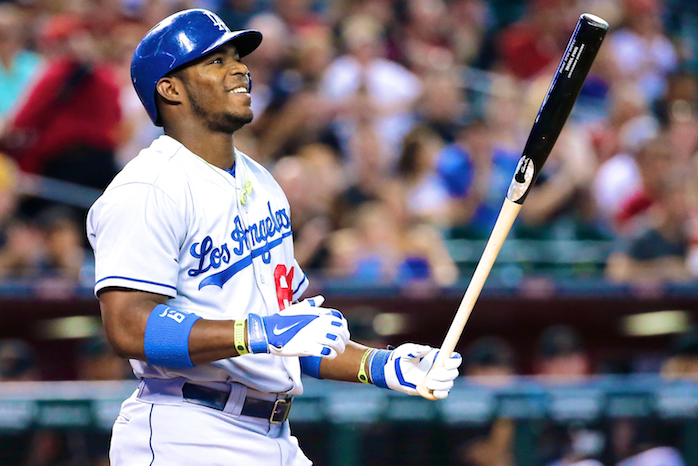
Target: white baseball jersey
173,224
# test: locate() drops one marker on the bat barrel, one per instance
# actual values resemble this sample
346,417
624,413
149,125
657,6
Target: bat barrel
559,100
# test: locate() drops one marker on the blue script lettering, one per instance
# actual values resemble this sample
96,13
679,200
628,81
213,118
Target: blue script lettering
217,256
258,234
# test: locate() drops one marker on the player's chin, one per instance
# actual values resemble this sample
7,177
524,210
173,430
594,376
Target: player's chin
231,122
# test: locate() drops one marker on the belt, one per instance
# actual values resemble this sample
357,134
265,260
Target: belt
275,411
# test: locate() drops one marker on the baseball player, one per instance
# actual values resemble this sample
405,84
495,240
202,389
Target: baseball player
196,276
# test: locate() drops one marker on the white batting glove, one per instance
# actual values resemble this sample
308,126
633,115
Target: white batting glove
303,329
406,366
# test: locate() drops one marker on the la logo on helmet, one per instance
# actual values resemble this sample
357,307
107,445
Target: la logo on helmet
217,21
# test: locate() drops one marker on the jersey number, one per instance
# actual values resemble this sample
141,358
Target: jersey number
284,286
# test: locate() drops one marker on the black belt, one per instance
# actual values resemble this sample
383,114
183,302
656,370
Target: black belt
275,411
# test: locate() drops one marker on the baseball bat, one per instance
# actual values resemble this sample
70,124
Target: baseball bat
556,107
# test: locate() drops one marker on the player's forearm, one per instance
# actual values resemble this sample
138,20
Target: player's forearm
344,367
126,314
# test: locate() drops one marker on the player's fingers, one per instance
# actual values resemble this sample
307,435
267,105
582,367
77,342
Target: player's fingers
440,394
454,361
436,385
443,374
338,324
333,341
413,350
315,301
328,353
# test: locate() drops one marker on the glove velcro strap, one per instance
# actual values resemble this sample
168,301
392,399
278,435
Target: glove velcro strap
256,334
376,364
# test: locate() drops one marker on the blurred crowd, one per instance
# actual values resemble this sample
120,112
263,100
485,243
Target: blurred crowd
406,117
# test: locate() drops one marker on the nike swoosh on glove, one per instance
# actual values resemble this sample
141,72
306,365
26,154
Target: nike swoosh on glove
407,365
303,329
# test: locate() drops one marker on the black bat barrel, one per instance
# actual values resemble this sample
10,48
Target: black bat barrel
559,100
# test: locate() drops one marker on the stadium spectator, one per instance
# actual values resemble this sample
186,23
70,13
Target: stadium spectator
580,447
658,248
315,166
97,361
618,179
382,248
18,361
293,111
625,105
495,448
561,205
490,360
238,13
426,198
366,173
442,106
426,45
67,126
368,251
644,54
560,355
636,443
476,172
535,42
468,22
18,66
682,362
23,252
65,255
368,87
8,194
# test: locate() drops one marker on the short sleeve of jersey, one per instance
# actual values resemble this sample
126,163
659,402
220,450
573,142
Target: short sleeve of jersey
300,281
136,231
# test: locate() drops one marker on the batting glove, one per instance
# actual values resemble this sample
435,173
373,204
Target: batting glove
303,329
406,366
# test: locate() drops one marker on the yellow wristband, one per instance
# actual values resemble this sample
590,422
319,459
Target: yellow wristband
363,376
239,336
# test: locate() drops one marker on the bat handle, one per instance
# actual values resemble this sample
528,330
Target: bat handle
505,220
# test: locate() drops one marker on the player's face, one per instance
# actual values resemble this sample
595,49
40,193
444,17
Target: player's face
218,87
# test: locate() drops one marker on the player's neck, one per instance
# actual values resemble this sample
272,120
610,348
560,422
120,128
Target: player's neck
215,148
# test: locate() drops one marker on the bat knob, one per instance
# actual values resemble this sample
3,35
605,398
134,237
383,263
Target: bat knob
424,392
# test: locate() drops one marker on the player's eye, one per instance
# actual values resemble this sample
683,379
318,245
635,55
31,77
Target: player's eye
216,60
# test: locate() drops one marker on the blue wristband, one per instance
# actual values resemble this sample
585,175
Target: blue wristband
310,365
257,335
377,367
166,341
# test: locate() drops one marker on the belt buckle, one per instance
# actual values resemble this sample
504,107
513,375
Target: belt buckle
280,411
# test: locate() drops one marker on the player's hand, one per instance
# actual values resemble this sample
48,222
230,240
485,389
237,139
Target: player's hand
409,364
303,329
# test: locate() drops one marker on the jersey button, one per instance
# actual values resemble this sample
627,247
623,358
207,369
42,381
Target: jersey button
261,277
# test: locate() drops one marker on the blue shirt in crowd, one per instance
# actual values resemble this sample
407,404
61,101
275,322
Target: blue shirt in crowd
14,81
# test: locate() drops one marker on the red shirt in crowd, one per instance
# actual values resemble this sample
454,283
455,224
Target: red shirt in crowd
67,107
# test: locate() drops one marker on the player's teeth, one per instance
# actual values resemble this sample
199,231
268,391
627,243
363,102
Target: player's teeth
239,90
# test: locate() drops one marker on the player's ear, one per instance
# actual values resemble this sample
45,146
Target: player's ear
170,89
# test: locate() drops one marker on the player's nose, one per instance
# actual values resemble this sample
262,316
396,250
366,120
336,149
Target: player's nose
238,70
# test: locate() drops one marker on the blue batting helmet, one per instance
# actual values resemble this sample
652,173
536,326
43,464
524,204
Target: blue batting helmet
178,40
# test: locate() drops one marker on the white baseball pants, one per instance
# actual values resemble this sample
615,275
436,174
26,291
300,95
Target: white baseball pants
148,433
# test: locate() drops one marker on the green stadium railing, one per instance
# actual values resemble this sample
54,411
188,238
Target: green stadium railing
344,408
